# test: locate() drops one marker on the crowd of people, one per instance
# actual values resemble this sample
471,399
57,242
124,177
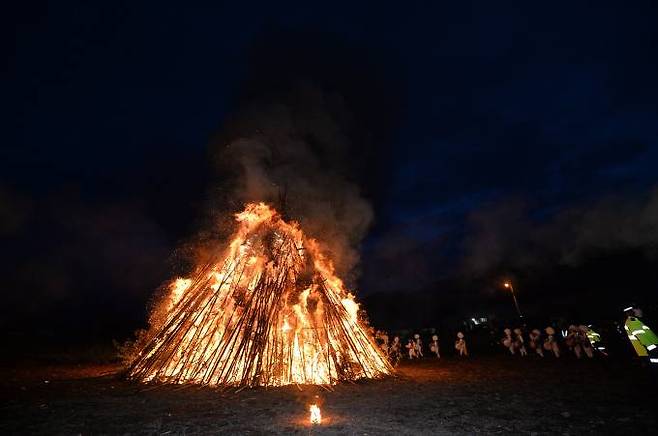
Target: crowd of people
414,346
579,340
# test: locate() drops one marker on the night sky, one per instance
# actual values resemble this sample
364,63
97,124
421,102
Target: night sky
493,141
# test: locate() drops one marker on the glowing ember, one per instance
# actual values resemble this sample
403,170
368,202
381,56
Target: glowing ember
271,312
316,416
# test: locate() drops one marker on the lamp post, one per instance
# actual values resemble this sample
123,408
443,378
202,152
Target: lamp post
516,303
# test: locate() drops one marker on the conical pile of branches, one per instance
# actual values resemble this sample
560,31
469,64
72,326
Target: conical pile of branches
270,313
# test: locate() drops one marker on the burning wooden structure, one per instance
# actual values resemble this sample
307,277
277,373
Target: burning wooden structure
271,312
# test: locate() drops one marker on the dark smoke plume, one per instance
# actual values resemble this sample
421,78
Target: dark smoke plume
296,156
313,116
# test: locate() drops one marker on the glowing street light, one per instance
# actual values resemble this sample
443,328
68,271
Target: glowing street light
516,303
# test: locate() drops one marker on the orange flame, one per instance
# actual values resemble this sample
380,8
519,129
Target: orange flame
271,313
316,416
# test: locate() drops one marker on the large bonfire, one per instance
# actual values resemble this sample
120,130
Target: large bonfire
270,313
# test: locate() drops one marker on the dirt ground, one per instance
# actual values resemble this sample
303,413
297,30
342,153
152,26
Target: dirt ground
490,395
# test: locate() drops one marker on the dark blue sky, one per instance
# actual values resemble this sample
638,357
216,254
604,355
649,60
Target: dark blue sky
503,129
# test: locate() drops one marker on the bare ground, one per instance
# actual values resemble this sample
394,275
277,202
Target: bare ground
490,395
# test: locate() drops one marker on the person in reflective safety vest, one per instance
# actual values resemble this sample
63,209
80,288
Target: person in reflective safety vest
644,341
595,340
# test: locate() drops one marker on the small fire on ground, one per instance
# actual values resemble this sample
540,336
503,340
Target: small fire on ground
316,416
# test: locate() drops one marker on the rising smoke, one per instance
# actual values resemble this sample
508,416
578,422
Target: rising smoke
295,154
311,131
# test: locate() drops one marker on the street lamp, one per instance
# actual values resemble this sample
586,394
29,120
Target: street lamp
516,303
